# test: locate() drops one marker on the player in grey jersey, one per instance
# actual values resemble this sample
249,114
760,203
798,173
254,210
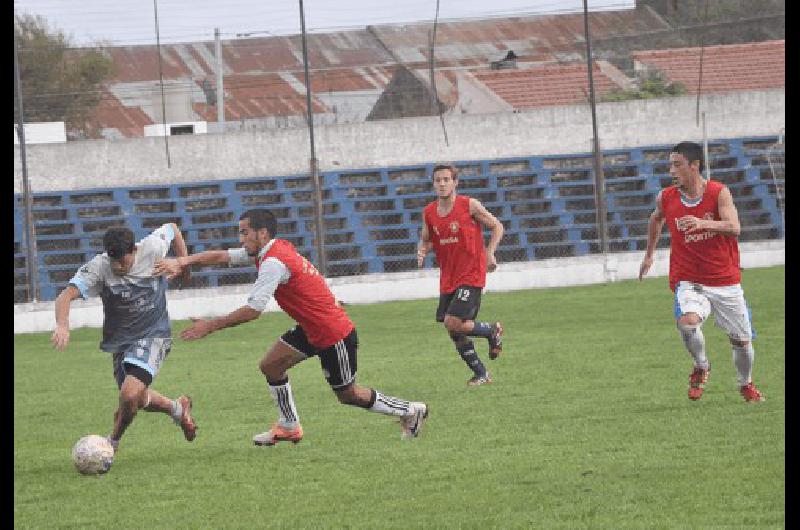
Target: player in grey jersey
136,325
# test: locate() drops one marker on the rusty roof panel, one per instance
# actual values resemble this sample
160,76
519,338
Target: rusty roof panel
546,85
256,96
528,36
111,114
751,66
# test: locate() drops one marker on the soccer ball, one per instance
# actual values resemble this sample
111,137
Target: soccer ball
93,455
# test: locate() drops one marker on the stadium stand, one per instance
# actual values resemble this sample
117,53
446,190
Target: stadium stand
372,216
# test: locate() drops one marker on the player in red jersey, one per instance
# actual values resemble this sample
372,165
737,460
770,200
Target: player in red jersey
703,265
323,328
452,226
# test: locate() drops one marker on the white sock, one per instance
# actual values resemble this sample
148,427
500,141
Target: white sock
177,410
695,343
389,405
287,413
743,360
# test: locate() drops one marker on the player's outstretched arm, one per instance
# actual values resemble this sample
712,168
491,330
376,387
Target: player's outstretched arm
60,337
487,220
200,328
171,267
179,247
654,226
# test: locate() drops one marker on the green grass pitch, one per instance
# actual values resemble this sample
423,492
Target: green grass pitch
587,425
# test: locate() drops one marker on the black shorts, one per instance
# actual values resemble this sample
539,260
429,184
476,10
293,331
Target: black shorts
338,361
463,303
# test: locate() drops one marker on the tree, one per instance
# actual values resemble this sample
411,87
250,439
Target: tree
59,82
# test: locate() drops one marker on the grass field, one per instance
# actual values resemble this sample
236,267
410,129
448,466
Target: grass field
587,425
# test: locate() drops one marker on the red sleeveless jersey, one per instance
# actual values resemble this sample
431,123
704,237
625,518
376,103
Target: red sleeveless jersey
307,298
701,257
458,242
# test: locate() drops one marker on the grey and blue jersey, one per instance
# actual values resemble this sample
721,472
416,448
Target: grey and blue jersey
134,305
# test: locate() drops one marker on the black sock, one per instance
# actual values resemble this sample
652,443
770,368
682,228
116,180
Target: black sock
481,329
467,352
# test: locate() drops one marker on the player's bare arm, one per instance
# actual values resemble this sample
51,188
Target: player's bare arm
60,337
654,226
171,267
200,328
179,247
424,245
479,212
728,225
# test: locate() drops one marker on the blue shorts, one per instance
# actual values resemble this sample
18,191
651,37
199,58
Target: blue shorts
147,354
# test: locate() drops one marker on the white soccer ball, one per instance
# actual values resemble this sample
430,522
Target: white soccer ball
93,455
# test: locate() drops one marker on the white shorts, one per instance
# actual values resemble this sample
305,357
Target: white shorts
726,303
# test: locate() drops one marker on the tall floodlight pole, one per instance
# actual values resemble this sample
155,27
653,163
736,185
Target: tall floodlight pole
27,199
322,262
599,182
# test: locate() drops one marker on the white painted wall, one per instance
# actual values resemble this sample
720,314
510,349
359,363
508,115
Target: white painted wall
45,132
556,272
157,129
552,130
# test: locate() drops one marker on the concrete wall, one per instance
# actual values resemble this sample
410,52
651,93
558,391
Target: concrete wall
553,130
557,272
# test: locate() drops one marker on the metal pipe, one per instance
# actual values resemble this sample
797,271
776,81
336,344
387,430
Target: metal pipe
599,186
705,148
220,87
27,197
161,78
322,262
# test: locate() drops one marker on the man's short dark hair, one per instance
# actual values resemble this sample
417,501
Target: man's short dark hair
260,218
118,241
691,151
451,167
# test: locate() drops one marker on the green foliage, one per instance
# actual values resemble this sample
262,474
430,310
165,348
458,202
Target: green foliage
586,425
59,83
652,85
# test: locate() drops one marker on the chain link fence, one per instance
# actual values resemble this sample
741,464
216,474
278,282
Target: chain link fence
371,217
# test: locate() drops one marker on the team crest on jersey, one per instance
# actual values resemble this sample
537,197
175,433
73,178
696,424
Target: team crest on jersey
454,227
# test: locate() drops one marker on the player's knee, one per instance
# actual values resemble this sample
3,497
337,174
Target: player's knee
132,397
739,342
269,369
453,324
688,321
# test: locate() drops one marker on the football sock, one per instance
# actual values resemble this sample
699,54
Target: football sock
177,410
743,360
695,343
467,352
281,393
114,443
481,329
389,405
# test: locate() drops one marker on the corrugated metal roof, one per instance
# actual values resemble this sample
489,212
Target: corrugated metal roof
750,66
264,76
534,39
547,85
111,114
